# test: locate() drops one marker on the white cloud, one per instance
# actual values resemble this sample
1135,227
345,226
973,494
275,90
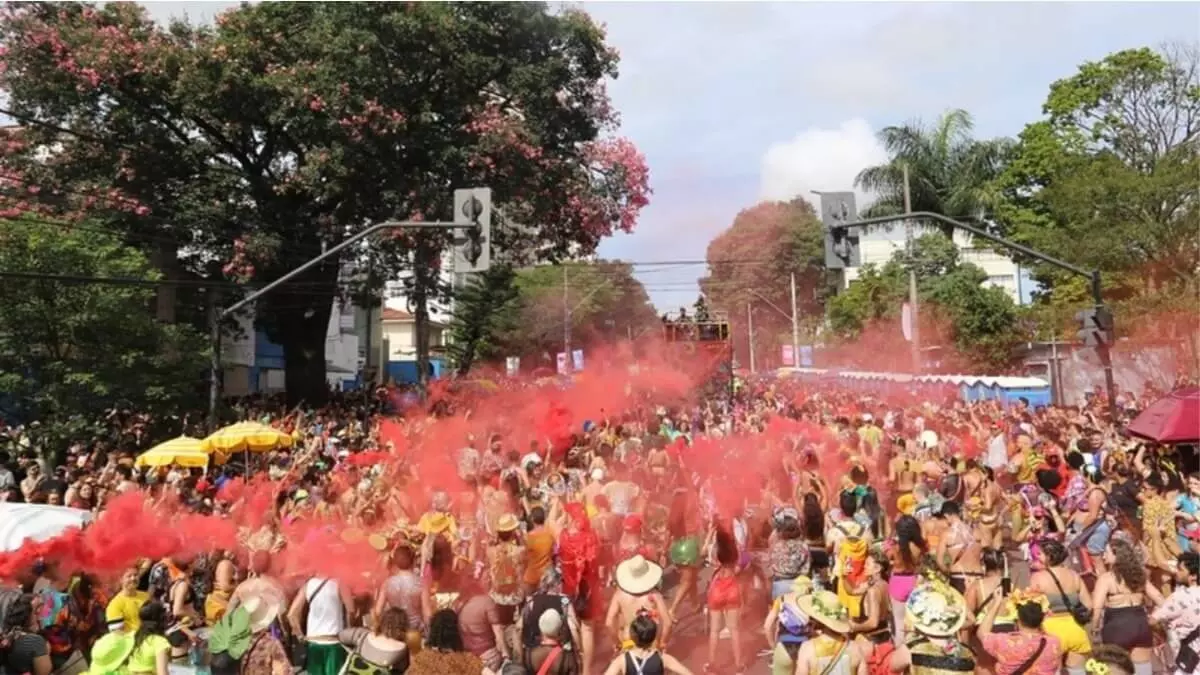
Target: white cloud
820,159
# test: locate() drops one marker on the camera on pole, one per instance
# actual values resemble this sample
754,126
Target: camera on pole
838,209
1095,326
473,242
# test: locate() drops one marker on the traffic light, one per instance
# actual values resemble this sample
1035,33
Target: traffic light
1095,326
841,243
473,244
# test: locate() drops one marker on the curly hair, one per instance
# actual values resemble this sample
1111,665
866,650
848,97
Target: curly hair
1055,552
443,631
393,623
1113,656
1128,567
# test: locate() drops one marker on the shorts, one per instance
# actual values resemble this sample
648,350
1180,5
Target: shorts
724,594
1071,636
781,587
900,586
1097,541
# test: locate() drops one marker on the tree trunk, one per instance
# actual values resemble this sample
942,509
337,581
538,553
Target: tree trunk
298,322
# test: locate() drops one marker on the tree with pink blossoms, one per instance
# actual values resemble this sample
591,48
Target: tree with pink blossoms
237,151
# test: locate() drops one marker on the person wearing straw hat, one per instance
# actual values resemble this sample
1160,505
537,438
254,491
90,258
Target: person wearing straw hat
244,635
637,594
829,651
934,613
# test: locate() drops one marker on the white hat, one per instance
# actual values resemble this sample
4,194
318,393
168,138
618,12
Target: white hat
597,474
638,575
531,459
264,605
550,623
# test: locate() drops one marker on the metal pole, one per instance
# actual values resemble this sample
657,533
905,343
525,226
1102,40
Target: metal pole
215,366
914,307
1055,383
1103,351
795,327
566,320
750,330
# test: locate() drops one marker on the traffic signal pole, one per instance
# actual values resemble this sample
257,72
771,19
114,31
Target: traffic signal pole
214,388
1103,351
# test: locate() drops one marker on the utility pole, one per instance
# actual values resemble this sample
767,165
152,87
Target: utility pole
795,327
914,307
566,320
750,330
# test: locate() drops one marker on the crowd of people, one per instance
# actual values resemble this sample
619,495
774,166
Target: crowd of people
824,532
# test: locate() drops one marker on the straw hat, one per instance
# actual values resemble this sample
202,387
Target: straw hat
262,607
935,609
507,523
825,608
111,652
638,575
434,523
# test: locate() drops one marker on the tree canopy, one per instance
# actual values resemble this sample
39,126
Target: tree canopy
245,148
506,313
70,349
950,171
978,321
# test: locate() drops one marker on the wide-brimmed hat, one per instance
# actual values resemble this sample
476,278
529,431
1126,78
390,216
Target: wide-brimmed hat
638,575
263,605
825,608
507,523
434,523
935,609
111,652
802,585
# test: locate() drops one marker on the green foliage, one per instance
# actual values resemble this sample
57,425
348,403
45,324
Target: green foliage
1108,179
752,261
485,310
520,313
71,351
983,321
949,171
285,127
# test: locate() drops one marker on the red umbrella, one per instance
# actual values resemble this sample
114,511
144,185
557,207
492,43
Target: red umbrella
1172,419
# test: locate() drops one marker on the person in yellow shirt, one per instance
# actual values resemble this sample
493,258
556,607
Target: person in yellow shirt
127,603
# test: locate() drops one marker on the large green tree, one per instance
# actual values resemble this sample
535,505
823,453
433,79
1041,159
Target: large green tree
752,261
950,171
602,302
980,322
70,350
486,309
262,140
1107,179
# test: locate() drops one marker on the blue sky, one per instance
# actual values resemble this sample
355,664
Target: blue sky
735,102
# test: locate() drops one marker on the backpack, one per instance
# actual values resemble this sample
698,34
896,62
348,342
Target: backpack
506,572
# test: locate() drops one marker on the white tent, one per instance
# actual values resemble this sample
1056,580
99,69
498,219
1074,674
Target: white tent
19,522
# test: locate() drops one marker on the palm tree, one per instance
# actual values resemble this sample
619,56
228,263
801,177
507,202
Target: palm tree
950,172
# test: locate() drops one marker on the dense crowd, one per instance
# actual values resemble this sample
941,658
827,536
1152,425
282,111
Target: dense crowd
821,531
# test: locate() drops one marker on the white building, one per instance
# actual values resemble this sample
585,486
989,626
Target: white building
878,246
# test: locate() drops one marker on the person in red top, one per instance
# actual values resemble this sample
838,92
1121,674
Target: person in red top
578,552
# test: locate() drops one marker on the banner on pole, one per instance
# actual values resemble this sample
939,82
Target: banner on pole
562,363
806,356
577,359
512,365
788,359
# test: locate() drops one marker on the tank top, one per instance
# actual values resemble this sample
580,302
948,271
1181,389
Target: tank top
325,612
403,590
649,665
